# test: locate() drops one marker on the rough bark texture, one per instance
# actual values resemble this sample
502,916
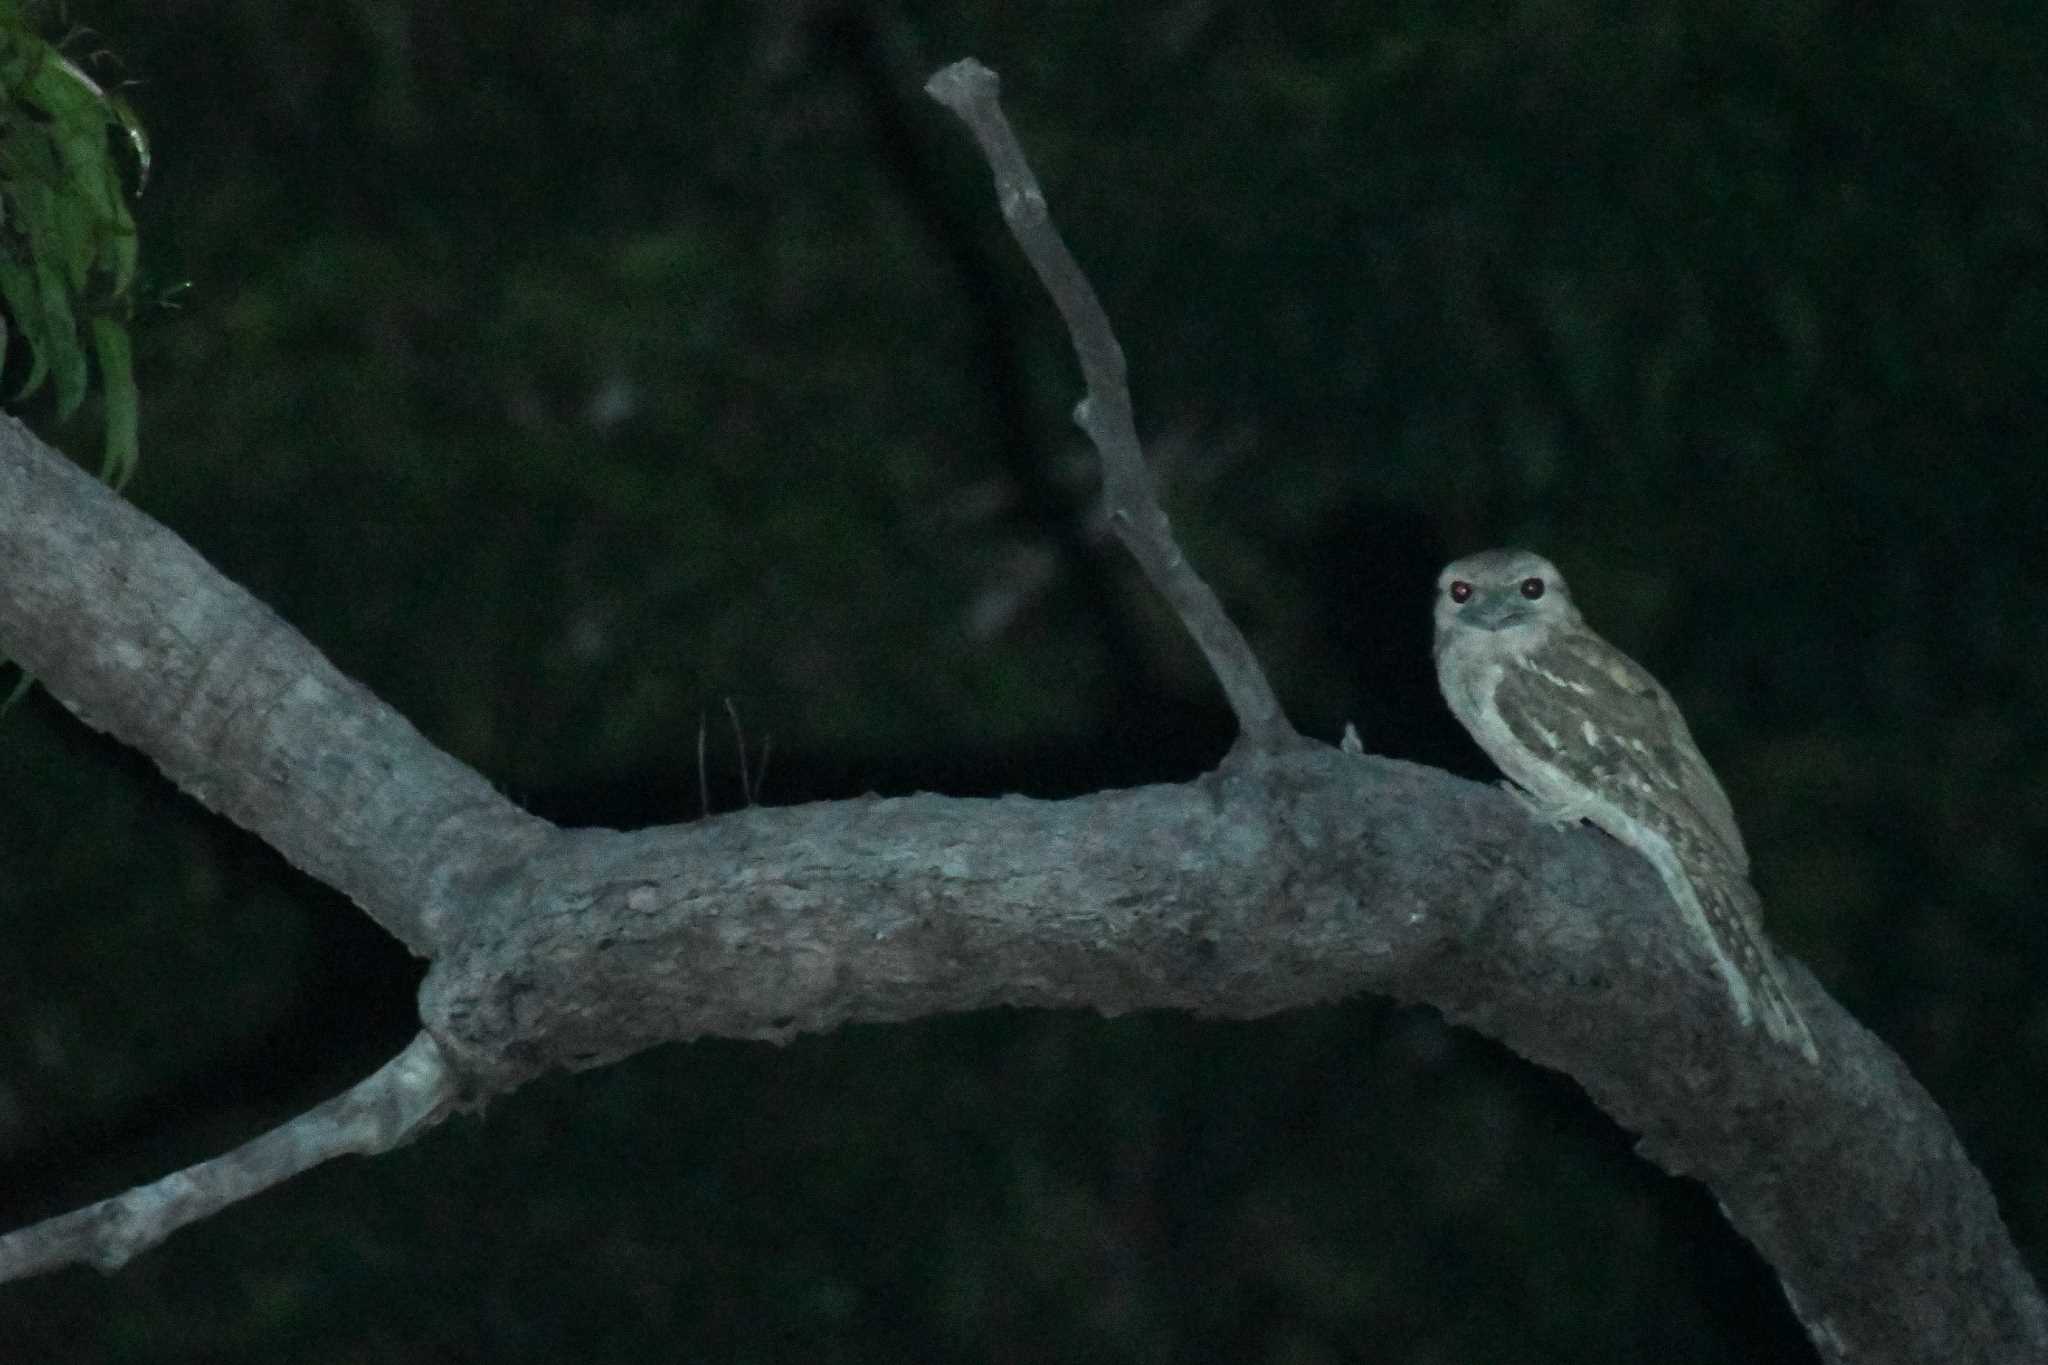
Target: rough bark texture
1278,881
1291,881
126,625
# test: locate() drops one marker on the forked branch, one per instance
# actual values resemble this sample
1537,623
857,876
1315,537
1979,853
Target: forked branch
1313,877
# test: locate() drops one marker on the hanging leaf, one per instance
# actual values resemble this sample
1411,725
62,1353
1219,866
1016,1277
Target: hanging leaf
18,291
117,393
68,248
60,338
138,141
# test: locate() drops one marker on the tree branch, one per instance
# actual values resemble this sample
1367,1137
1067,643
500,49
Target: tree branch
1263,887
411,1092
1294,876
129,628
969,89
1260,888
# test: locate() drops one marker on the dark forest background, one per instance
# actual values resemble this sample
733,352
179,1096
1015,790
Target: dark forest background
581,376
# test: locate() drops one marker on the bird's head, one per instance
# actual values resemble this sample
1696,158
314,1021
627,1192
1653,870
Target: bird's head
1514,593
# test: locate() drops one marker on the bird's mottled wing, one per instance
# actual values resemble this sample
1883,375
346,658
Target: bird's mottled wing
1580,702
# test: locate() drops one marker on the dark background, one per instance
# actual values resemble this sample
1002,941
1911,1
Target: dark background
569,372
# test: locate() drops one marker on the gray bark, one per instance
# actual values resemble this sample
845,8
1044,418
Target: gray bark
1278,881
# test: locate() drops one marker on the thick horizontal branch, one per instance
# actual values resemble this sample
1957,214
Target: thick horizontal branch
139,636
1267,886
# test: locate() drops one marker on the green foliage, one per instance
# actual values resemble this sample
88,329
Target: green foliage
67,239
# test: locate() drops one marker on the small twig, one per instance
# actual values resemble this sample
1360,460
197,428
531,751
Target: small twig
739,744
411,1092
969,89
703,781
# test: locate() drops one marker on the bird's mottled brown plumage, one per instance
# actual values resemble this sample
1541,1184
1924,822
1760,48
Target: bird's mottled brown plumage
1589,735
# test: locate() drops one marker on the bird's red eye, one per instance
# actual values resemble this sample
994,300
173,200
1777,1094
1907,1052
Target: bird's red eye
1461,591
1532,588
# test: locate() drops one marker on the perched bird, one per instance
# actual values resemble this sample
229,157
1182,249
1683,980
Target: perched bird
1588,735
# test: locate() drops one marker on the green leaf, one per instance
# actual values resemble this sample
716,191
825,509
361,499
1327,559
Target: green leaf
118,396
137,139
68,247
122,249
60,338
18,291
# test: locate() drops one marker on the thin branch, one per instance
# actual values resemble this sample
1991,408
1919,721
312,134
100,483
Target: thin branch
703,774
411,1092
739,744
969,89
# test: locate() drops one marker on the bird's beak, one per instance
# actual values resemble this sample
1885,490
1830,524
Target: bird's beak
1498,612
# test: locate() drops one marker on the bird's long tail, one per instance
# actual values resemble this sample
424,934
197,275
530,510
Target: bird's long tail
1723,908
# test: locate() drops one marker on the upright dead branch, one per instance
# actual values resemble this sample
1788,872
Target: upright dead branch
969,89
